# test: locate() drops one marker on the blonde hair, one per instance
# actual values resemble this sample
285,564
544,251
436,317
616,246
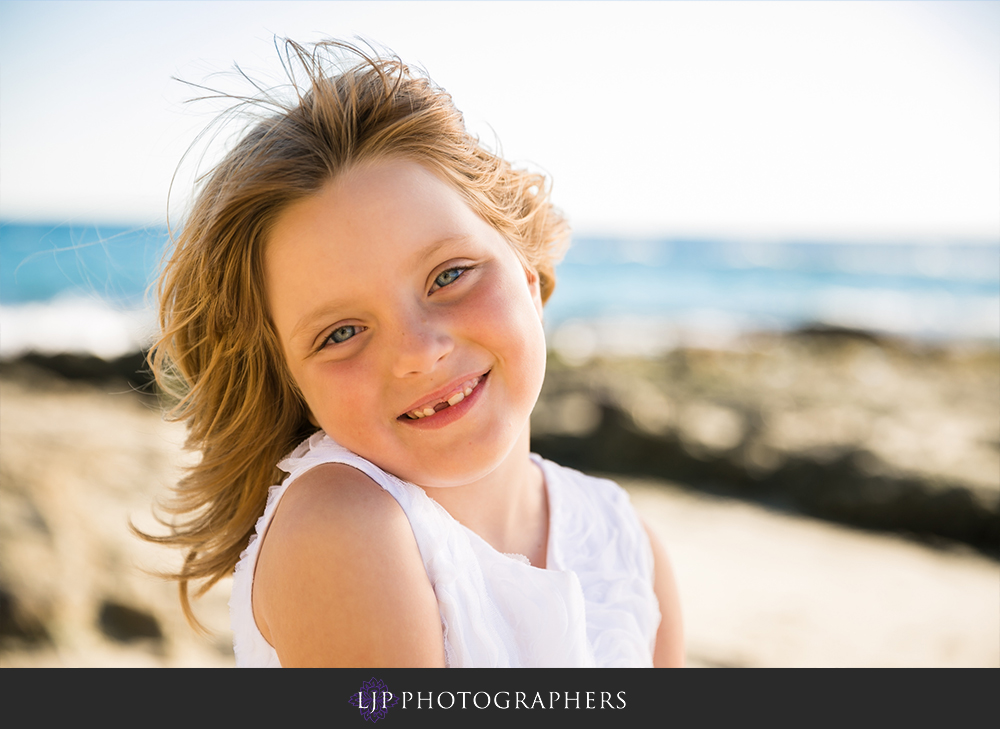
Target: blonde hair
218,356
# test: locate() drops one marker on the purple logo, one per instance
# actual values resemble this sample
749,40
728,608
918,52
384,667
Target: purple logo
373,700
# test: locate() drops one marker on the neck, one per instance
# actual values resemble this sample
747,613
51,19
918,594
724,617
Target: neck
508,507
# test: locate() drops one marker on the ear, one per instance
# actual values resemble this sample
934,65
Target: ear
535,287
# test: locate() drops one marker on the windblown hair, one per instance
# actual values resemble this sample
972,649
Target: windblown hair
218,358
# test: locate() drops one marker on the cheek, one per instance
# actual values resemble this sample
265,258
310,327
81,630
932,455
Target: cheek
508,318
337,395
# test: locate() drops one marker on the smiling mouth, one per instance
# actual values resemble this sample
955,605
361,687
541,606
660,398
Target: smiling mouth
453,398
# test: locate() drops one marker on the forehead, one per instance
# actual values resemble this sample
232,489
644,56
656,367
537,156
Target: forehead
362,232
396,203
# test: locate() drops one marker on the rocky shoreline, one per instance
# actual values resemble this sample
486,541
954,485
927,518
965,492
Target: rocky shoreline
840,425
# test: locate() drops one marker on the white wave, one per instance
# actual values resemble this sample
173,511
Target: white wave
74,325
577,341
927,314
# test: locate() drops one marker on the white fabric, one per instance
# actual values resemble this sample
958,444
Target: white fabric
594,605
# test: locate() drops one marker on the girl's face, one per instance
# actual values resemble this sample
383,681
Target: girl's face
409,324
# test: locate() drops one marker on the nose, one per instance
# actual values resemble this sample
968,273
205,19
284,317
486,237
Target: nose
420,343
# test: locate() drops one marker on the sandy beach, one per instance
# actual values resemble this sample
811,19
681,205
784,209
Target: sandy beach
760,586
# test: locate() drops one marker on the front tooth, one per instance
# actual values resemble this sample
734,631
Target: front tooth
428,412
456,398
468,391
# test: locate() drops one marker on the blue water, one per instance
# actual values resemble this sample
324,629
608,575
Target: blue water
919,290
66,273
42,262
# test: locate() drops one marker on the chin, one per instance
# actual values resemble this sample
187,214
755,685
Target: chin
475,464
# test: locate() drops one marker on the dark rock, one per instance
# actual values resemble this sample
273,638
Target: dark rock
831,333
17,625
131,368
126,624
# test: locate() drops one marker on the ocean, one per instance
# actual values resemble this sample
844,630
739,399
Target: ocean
83,289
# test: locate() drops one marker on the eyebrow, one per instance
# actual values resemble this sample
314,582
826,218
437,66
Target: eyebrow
329,308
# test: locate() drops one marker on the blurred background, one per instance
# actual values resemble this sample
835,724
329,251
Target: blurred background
778,324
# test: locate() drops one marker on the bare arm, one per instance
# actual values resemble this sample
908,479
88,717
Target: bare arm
340,581
669,651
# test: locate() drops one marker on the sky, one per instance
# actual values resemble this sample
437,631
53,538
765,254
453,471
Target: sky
864,121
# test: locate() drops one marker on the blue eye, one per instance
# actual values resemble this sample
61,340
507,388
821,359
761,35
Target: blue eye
448,277
342,334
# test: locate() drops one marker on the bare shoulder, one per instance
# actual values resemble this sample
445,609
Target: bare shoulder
669,650
339,578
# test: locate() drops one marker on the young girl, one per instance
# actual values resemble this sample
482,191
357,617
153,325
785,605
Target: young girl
353,311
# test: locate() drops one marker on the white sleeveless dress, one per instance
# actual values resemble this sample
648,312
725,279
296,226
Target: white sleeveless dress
594,605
